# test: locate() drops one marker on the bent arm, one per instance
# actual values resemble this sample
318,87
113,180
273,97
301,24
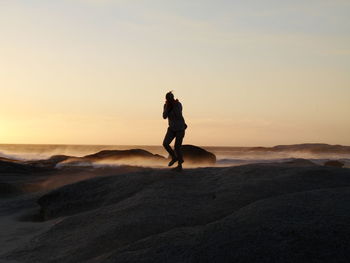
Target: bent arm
165,112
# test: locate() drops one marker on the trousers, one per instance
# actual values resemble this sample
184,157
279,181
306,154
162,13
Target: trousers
169,137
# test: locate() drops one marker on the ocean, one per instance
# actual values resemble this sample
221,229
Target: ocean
226,156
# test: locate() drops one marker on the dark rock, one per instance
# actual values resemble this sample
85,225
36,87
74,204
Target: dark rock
300,162
8,189
316,148
302,227
12,166
122,154
334,163
197,155
122,157
90,194
192,155
320,148
252,213
51,162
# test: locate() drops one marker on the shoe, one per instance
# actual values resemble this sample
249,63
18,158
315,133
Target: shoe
172,162
177,168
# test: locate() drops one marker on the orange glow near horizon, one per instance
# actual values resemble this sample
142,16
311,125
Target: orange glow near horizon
96,72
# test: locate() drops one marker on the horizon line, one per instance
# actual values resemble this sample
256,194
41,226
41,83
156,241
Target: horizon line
159,145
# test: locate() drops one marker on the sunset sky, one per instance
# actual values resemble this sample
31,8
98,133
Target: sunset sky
248,73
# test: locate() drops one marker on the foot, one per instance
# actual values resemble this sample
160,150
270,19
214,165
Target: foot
174,160
177,168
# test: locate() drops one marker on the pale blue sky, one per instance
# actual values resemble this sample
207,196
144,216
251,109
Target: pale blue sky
247,72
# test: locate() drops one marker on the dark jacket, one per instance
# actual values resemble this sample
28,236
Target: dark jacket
174,114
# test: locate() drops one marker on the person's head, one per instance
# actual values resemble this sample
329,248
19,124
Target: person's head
169,96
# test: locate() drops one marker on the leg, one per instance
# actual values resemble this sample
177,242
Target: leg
178,143
169,137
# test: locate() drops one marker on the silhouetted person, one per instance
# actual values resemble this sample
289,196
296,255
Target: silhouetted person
176,130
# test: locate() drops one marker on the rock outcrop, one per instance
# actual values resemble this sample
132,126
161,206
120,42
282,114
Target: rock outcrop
120,157
300,162
192,155
334,163
316,148
122,154
251,213
50,162
8,166
197,155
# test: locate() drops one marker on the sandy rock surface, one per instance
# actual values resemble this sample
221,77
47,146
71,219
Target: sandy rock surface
251,213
